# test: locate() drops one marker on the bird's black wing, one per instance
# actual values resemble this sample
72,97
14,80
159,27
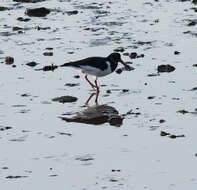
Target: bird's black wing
98,62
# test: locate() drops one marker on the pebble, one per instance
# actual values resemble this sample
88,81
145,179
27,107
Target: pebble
37,12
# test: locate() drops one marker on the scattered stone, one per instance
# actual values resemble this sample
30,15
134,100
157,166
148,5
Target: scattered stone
68,134
28,1
153,75
43,28
4,168
3,8
119,71
9,60
192,23
175,136
116,121
108,91
32,64
53,175
119,49
37,12
65,99
5,128
48,53
15,28
162,121
113,180
133,55
125,90
176,52
71,84
48,68
69,13
113,170
193,89
25,95
165,68
150,97
183,111
15,177
49,48
23,19
163,133
76,76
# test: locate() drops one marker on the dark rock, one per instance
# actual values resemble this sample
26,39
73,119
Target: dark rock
118,71
37,12
133,55
194,65
116,121
15,177
3,8
163,133
9,60
194,1
161,121
175,136
48,53
76,76
176,52
5,128
15,28
125,90
150,97
23,19
43,28
153,75
28,1
71,84
68,134
32,64
193,89
48,68
72,12
119,49
165,68
183,111
65,99
192,23
108,91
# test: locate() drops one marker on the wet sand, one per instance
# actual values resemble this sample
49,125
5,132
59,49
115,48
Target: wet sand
142,133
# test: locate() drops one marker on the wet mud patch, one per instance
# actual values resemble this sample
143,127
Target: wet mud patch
97,115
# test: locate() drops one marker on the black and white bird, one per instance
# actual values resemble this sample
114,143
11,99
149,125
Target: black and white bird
97,66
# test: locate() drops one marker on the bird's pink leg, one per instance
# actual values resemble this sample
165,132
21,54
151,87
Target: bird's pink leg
86,77
97,88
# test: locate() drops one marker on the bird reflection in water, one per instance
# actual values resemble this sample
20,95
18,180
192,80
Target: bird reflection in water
96,114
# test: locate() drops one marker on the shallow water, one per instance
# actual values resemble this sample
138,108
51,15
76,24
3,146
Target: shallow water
40,150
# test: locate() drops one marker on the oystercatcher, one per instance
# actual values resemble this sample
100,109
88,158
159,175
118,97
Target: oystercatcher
97,66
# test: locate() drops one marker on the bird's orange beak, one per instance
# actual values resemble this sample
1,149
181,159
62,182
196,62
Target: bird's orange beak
127,67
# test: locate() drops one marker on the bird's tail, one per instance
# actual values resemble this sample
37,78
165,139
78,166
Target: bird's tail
66,65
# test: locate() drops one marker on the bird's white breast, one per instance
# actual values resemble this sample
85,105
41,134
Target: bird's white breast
96,71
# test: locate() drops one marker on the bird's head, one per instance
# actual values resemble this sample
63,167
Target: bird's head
115,57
